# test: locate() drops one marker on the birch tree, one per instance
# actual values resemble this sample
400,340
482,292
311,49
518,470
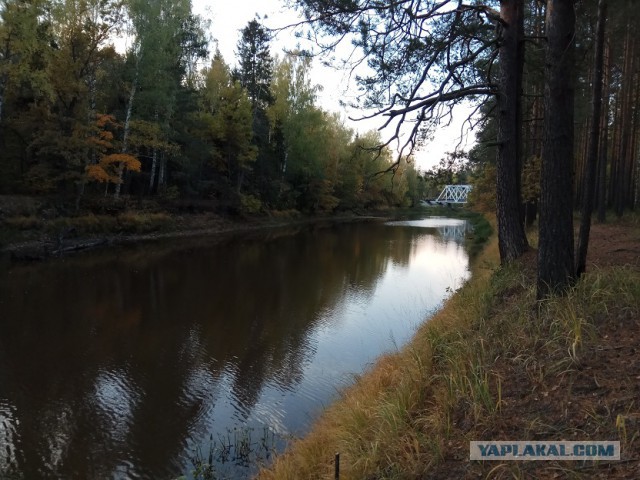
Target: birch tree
169,40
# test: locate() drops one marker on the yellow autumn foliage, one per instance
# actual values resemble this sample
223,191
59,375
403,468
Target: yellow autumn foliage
128,161
103,120
106,169
98,174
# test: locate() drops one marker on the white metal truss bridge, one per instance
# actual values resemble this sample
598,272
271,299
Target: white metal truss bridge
454,194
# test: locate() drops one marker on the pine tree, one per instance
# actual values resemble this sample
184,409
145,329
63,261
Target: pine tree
256,64
555,250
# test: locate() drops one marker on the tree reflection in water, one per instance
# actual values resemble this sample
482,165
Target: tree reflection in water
122,363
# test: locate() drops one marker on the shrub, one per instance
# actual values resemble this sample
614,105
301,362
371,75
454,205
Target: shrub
250,205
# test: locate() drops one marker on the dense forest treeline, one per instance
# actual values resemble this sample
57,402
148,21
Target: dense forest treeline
80,120
555,84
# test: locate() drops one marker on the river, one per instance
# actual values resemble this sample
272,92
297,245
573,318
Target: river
139,362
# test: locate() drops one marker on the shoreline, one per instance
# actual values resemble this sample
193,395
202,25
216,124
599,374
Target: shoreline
72,236
49,247
494,364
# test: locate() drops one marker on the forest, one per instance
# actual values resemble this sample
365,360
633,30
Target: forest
81,122
554,85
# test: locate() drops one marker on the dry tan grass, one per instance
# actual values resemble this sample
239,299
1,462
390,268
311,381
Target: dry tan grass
394,419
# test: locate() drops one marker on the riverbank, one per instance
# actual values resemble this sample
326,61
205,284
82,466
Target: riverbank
32,230
495,364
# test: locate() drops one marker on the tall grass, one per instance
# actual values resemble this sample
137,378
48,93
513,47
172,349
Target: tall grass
406,415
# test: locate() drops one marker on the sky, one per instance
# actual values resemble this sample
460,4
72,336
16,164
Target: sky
229,17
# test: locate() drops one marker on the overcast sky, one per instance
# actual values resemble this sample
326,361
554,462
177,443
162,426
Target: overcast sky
228,17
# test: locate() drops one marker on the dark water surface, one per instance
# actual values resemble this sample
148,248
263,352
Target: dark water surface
123,363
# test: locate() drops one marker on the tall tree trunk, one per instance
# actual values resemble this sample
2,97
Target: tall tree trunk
91,117
152,173
127,124
615,144
626,107
604,141
555,252
594,136
154,159
636,152
512,240
633,150
125,135
534,145
162,173
580,159
3,82
629,133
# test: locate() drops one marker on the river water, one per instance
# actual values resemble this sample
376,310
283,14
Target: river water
140,362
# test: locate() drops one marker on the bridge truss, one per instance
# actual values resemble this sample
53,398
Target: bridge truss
454,194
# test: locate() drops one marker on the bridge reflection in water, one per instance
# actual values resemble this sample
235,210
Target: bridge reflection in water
453,232
447,228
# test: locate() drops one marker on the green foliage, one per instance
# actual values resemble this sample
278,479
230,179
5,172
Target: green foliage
453,170
250,205
480,234
226,124
256,64
483,195
249,141
422,58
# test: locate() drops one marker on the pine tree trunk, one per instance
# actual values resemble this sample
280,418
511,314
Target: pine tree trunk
633,149
626,108
3,83
581,161
629,130
512,240
555,252
594,136
534,145
604,142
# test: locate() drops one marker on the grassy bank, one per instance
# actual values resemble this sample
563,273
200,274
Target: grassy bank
493,364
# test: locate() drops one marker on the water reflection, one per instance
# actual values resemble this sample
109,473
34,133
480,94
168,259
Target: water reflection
118,364
446,228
